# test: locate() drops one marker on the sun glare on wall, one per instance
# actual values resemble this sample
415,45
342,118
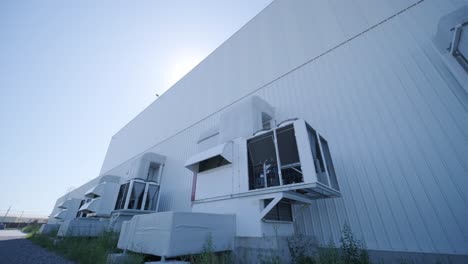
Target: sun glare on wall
181,66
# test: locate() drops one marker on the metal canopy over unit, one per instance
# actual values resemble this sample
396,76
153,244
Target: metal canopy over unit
91,206
223,151
61,215
95,192
69,203
64,204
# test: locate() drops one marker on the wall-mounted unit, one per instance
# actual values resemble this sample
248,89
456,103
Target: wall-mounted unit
289,157
68,209
138,195
141,192
260,177
100,199
451,41
148,167
292,156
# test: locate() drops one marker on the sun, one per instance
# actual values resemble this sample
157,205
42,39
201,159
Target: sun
181,67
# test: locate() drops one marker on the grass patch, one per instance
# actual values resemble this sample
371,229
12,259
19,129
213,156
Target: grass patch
351,250
31,228
85,250
208,256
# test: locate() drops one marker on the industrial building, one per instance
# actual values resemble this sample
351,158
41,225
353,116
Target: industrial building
313,115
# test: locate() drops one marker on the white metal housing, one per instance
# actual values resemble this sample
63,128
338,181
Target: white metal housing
100,200
177,233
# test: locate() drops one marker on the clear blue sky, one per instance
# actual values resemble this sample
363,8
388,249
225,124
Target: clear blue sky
72,73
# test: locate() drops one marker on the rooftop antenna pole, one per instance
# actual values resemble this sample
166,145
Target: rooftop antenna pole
6,213
19,218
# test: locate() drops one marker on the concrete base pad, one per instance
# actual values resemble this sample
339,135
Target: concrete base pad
117,258
89,227
265,249
168,262
394,257
49,228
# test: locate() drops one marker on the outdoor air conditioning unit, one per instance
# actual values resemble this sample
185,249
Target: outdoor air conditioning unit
289,157
67,209
100,199
258,178
292,156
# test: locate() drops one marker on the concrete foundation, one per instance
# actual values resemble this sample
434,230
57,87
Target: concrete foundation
394,257
49,228
119,216
118,258
174,234
265,249
168,262
89,227
270,249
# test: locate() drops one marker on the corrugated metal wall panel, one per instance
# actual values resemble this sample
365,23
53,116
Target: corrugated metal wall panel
384,101
430,144
254,56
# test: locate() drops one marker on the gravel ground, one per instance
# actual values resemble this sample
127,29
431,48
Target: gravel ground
16,249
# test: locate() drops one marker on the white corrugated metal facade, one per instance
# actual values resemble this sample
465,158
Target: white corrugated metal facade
365,74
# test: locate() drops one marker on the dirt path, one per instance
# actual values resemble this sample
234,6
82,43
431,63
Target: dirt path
16,249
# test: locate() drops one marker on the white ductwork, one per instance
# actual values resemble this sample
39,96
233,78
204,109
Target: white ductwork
244,119
149,167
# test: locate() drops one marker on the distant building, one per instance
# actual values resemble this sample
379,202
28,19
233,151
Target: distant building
313,115
16,219
19,222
